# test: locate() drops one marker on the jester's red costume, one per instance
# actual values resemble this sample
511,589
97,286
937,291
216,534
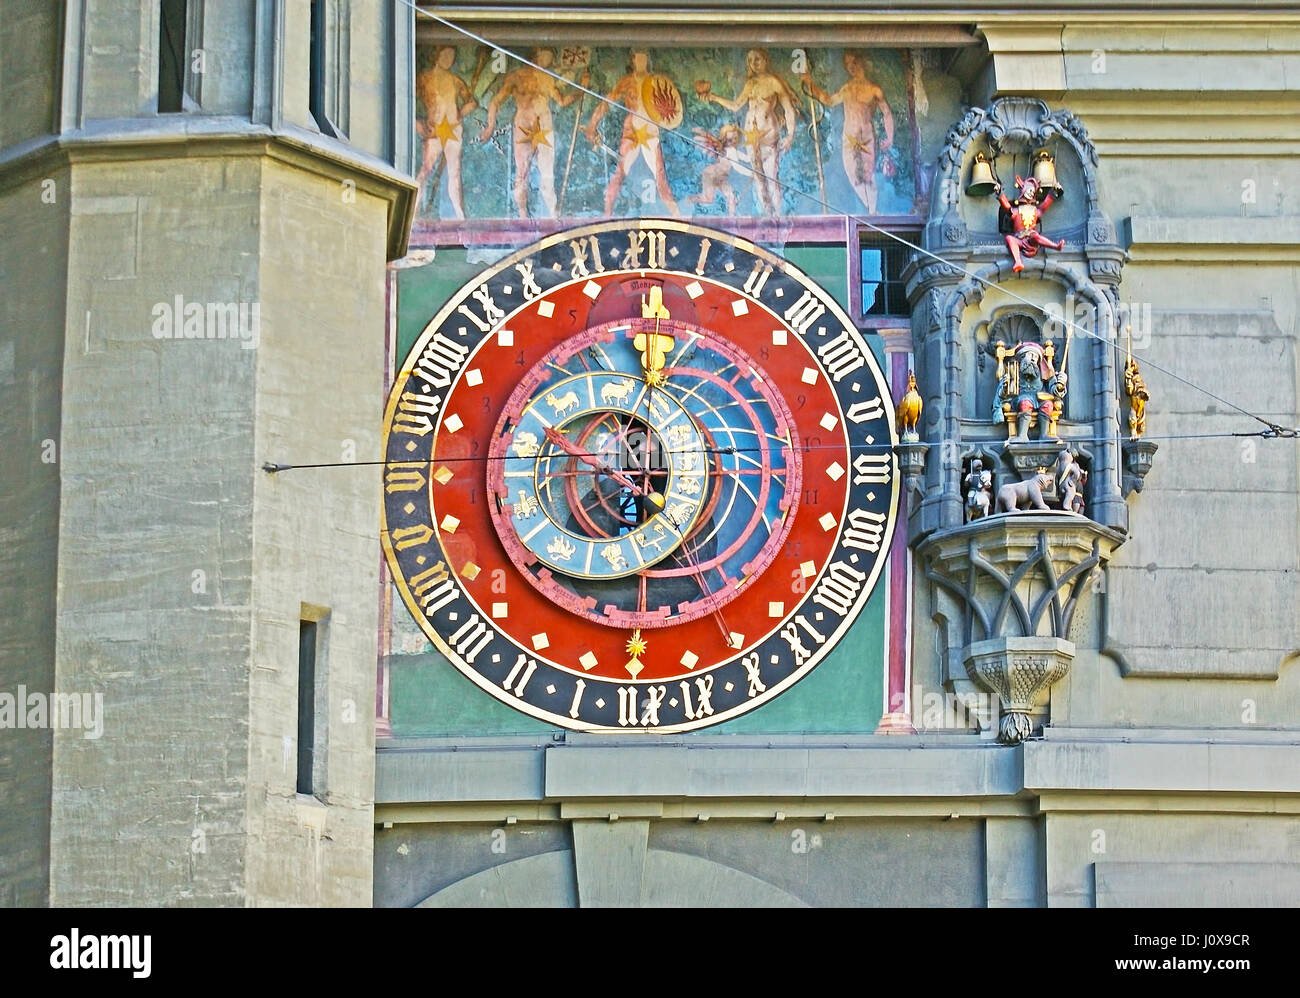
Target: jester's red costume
1026,214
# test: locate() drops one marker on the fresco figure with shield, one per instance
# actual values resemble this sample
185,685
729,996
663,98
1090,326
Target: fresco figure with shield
654,105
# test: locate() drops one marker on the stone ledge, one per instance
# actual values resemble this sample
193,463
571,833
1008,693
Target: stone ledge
1111,762
132,139
1162,767
1226,239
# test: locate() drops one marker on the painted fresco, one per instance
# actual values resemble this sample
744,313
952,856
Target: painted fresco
721,132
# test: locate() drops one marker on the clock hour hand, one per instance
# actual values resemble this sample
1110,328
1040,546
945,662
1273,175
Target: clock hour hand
573,450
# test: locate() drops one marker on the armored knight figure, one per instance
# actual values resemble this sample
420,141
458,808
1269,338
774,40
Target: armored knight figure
978,485
1138,399
1030,389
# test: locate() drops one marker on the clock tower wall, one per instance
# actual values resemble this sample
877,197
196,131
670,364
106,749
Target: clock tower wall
192,291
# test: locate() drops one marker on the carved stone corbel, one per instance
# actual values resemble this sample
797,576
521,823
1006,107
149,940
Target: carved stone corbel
1016,579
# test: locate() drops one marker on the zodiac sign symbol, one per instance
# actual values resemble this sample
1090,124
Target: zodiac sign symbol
688,461
526,506
560,548
644,539
619,391
613,554
680,512
691,486
561,405
525,444
679,435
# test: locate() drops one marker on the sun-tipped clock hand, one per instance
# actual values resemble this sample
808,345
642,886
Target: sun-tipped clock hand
573,450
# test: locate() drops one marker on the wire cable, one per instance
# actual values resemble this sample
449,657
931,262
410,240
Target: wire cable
1277,430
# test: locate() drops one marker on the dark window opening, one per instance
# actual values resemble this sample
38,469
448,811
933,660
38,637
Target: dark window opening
316,78
306,704
881,262
171,56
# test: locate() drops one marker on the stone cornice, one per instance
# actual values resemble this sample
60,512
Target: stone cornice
1102,770
1215,239
129,140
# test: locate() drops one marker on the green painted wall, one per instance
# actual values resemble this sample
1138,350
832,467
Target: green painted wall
429,697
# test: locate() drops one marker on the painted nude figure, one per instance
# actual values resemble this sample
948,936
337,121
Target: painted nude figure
447,102
640,136
726,155
860,98
533,92
769,109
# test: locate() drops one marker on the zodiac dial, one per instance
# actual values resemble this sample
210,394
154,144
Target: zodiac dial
639,477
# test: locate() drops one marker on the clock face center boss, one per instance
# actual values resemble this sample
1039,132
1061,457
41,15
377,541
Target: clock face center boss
639,477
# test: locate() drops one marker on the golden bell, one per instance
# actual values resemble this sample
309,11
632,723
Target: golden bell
982,181
1045,170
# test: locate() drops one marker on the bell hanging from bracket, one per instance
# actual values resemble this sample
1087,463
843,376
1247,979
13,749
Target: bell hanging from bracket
982,181
1045,172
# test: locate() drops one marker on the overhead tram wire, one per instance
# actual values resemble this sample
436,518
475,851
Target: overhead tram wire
272,467
1271,430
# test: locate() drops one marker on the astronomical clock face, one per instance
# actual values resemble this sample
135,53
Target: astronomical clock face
639,477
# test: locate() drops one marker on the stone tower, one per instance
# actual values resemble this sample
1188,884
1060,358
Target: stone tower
198,200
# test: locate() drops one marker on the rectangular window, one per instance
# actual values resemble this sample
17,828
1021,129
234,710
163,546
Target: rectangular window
880,267
306,704
319,63
172,59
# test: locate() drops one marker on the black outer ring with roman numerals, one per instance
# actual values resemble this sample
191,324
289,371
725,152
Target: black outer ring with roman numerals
520,676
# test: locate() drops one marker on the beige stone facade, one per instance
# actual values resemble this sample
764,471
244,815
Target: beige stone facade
148,557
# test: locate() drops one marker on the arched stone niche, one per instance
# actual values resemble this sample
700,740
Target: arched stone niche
970,297
965,298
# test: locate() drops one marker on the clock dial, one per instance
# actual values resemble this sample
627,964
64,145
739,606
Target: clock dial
643,502
639,477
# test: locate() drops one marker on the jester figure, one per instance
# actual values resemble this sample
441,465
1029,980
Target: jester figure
1026,215
1029,388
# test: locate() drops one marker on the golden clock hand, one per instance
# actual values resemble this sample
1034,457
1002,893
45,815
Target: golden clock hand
573,450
